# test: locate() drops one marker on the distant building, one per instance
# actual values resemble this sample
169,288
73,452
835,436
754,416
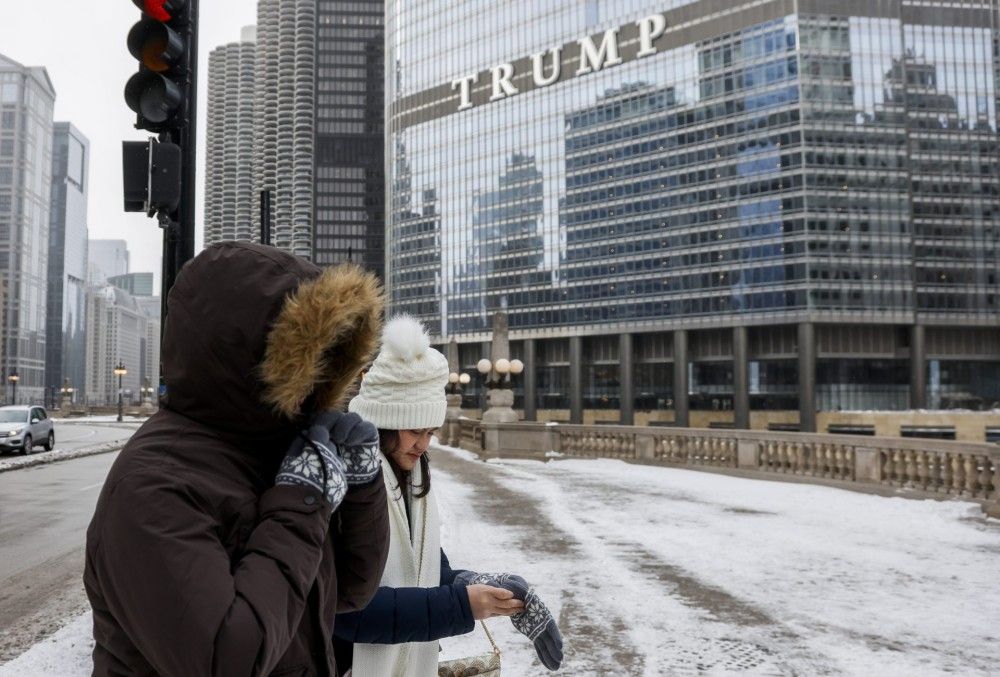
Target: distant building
150,306
230,202
149,372
26,101
136,284
106,259
116,332
66,342
317,137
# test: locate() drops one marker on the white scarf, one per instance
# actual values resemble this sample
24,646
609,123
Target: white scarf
414,659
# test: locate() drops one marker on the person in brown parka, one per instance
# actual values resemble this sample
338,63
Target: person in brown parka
197,563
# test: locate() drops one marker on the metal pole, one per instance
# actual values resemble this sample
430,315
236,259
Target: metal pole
265,216
178,231
189,141
119,398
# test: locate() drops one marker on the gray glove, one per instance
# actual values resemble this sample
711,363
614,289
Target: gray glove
311,462
535,622
355,439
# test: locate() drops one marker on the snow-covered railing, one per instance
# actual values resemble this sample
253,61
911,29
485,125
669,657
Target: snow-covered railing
960,469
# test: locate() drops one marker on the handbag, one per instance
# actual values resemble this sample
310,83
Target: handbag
483,665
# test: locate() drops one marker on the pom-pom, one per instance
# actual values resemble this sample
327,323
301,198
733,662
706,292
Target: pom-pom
405,338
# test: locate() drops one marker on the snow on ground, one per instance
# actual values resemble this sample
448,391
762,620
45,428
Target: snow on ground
810,579
16,462
110,418
658,571
64,654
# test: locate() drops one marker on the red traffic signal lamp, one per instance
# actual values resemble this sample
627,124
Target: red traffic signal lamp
161,10
162,44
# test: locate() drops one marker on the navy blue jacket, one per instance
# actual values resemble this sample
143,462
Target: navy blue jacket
400,615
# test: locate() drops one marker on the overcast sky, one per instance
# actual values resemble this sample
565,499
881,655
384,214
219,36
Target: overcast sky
82,44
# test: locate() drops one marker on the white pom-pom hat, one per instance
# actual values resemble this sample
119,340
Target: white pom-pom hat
404,389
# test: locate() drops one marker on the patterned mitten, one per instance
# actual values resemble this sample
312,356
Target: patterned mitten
310,462
535,622
356,441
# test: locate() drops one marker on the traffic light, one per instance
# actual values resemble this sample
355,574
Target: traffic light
159,174
152,173
162,42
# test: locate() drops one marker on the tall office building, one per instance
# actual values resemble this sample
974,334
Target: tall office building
106,259
116,333
26,101
66,342
136,284
700,212
318,132
149,373
229,198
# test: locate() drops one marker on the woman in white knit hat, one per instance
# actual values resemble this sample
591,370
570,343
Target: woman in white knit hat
421,598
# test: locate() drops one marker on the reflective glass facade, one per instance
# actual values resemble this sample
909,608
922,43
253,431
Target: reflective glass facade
775,204
26,102
66,339
747,163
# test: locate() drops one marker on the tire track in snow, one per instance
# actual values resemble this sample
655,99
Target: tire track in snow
595,637
699,629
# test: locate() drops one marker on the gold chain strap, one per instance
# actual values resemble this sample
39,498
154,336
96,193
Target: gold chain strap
489,636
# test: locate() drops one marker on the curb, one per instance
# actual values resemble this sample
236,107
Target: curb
59,455
128,423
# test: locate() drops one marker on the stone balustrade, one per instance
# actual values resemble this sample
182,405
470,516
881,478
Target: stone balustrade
469,434
946,468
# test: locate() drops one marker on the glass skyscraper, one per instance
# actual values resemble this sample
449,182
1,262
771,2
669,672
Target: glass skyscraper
703,206
66,339
26,102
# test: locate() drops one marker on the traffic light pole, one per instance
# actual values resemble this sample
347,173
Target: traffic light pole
159,175
178,229
189,146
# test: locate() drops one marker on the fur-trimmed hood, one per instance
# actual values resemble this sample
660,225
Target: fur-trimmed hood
256,337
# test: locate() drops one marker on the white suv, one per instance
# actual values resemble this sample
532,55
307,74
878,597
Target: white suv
22,428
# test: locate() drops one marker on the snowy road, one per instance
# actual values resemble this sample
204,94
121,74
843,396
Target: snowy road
654,571
44,512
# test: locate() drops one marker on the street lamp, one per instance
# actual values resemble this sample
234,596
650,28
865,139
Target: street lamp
120,371
456,381
146,397
451,430
498,375
499,395
67,393
14,378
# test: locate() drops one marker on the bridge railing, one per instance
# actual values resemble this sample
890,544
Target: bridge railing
946,468
470,434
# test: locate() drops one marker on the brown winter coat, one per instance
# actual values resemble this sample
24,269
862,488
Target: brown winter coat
196,563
